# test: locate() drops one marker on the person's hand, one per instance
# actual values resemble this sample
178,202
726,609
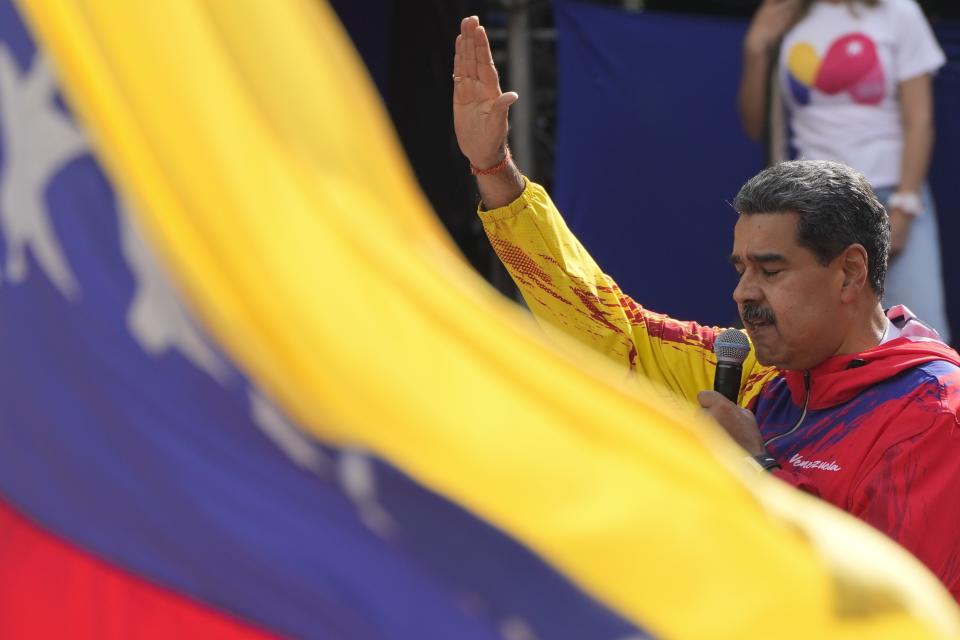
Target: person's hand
479,107
900,224
769,23
739,423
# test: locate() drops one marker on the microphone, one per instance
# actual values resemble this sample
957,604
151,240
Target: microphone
731,347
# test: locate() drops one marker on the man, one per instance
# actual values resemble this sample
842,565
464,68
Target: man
837,398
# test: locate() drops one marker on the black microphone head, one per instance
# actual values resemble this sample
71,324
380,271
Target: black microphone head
731,346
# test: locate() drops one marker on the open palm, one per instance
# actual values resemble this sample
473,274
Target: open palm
479,107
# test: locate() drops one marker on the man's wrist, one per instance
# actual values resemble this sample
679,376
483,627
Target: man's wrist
766,461
500,188
486,161
492,168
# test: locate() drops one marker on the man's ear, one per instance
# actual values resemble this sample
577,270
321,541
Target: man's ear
854,264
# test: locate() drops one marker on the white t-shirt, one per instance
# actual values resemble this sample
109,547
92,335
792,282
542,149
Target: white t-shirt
839,71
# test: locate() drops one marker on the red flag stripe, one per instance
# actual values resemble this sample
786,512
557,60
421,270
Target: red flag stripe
50,589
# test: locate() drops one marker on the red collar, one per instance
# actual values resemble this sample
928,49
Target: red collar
840,378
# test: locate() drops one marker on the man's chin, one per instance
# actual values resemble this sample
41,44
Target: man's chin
768,361
777,360
766,356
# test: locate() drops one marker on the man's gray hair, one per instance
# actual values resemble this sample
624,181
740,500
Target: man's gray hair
836,208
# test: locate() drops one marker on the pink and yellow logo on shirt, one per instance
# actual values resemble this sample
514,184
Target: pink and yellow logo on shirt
850,65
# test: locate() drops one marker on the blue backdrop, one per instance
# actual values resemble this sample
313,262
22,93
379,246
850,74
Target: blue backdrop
650,152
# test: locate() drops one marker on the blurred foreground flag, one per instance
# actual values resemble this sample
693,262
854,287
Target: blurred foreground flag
249,389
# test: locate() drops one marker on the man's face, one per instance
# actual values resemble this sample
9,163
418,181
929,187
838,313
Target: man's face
789,303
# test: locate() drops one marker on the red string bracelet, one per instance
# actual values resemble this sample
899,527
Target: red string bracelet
495,169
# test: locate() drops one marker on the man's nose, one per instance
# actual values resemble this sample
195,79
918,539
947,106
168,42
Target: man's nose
746,290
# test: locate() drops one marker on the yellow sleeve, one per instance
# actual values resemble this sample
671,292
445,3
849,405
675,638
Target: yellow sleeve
567,292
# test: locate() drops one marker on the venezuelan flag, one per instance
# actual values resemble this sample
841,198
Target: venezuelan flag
248,387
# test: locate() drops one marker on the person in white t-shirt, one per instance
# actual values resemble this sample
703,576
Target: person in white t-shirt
855,78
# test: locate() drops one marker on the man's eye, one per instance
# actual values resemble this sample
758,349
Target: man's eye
767,273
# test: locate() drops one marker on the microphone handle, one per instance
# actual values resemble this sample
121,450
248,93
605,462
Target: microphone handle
727,380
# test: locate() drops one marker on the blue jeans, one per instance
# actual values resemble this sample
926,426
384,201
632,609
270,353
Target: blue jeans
915,277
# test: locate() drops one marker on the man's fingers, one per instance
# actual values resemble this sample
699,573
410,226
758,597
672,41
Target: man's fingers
501,104
482,45
468,29
709,399
460,94
458,56
486,71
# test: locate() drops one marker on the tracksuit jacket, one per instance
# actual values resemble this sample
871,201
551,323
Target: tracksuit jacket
874,433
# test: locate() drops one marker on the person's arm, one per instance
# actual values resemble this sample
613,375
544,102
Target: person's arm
569,294
769,23
564,288
916,112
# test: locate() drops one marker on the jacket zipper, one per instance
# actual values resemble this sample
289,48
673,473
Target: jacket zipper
803,414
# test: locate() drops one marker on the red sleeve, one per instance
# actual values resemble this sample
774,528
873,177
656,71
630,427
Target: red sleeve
913,495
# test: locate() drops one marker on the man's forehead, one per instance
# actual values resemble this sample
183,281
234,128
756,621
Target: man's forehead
765,233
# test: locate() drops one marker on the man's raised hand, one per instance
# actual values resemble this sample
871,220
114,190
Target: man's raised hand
479,107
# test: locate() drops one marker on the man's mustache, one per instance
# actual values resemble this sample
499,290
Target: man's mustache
755,314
